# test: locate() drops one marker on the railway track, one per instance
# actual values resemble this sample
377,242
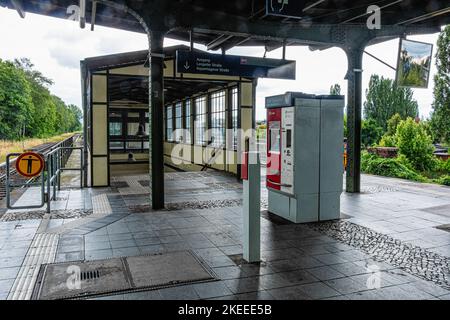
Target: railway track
43,149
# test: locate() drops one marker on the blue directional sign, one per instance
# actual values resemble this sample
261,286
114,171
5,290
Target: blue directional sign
230,65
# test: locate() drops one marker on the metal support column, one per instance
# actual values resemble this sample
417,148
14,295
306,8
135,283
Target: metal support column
354,96
252,207
157,118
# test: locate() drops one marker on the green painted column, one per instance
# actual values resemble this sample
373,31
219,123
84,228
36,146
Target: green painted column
157,119
354,106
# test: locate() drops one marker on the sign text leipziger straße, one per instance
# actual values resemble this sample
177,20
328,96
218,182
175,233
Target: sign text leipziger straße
229,65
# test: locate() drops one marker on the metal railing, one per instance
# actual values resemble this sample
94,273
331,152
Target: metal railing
55,165
49,180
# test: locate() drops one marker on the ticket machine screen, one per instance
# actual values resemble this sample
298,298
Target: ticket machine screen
280,149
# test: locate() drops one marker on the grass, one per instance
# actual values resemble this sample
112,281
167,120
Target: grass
9,146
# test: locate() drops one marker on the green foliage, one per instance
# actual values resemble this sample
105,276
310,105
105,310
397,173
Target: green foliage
335,89
388,167
444,166
415,144
27,108
15,102
345,126
416,75
384,99
440,117
445,180
388,141
393,123
44,120
370,132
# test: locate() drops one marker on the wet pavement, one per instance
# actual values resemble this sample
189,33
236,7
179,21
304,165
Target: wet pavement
386,246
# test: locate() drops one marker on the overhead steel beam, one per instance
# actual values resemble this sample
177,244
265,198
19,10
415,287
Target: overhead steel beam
312,5
368,13
426,16
17,4
93,14
220,23
215,44
82,14
235,42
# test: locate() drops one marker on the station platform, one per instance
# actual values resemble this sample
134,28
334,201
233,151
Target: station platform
393,240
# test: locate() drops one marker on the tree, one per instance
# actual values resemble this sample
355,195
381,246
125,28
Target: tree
415,144
335,89
32,74
78,116
370,132
440,117
27,108
389,139
15,102
384,99
393,123
44,113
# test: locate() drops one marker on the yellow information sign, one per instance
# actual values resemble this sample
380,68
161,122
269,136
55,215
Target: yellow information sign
29,164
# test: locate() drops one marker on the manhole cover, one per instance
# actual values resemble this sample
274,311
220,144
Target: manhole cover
79,279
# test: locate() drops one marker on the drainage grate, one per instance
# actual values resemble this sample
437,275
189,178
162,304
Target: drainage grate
89,275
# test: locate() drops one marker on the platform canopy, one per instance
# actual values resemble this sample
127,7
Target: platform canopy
270,23
222,25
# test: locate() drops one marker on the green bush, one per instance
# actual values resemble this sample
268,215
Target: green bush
389,167
415,144
393,123
370,133
444,166
445,180
388,141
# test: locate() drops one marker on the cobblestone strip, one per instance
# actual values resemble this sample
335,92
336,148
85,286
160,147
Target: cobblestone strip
415,260
210,204
42,250
41,214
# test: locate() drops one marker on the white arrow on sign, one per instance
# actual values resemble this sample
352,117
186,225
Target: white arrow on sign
186,65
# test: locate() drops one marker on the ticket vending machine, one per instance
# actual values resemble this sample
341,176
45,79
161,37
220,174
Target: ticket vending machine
304,156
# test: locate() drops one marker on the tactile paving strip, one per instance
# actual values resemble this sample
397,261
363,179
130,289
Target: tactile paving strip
42,250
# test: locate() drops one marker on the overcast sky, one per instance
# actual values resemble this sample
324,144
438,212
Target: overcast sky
56,47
